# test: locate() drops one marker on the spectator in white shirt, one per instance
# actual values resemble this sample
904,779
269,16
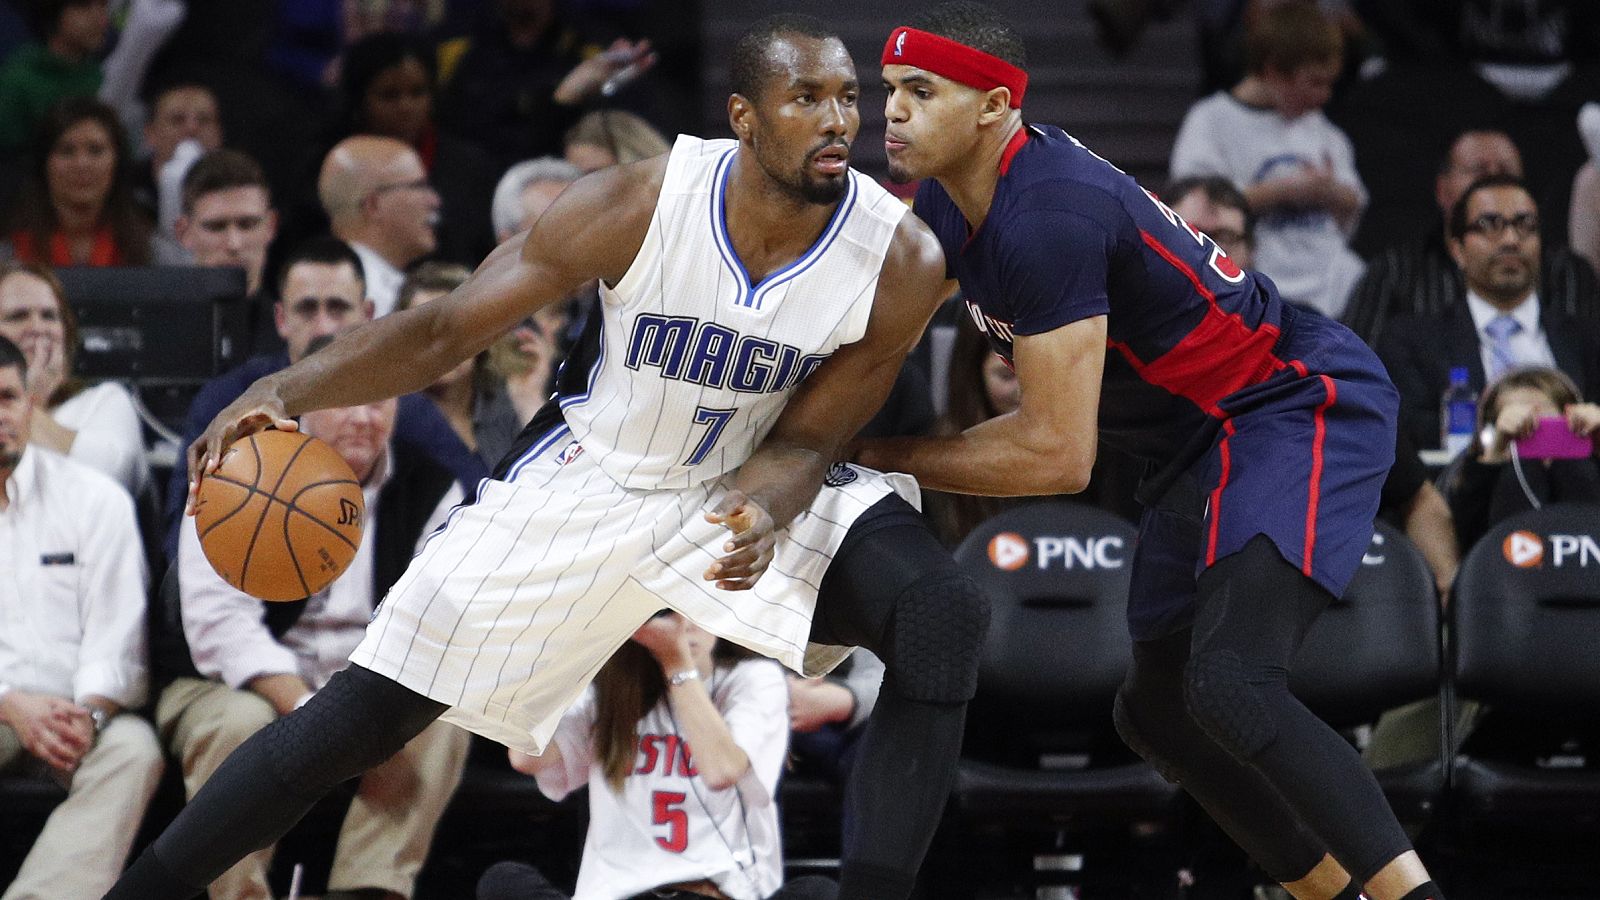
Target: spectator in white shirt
72,653
1296,168
376,193
254,662
680,741
96,425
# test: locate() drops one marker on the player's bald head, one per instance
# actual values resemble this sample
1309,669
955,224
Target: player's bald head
354,168
763,51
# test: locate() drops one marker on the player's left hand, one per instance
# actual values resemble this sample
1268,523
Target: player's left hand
749,551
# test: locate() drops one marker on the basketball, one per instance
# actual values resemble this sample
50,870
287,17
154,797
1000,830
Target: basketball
280,518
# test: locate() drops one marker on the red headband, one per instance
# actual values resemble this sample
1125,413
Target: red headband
955,61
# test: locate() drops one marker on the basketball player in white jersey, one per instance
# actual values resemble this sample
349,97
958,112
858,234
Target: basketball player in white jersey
758,300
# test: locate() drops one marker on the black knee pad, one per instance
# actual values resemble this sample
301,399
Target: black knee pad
1223,701
938,630
1134,736
358,720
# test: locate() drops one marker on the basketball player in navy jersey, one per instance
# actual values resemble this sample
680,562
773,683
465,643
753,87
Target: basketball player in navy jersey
758,301
1267,431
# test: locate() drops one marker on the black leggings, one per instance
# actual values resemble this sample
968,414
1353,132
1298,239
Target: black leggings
895,590
1210,707
892,588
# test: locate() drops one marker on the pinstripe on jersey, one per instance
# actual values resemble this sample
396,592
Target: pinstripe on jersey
695,362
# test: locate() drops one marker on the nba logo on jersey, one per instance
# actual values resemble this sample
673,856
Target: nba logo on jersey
840,475
571,452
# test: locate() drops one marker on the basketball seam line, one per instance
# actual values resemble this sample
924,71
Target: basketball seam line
247,497
290,503
295,506
251,549
292,507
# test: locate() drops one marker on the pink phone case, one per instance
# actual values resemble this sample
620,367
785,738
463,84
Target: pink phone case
1552,439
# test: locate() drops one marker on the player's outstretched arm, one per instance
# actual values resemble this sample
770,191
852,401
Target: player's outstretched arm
593,230
1046,446
845,392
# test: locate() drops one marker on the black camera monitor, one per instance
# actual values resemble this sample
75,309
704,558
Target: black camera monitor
158,323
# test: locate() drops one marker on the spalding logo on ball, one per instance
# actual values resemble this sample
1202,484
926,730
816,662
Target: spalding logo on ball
281,517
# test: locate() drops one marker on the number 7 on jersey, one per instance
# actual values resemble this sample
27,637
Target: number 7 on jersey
717,419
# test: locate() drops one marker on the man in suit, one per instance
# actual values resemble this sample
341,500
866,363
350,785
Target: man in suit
1500,324
1420,278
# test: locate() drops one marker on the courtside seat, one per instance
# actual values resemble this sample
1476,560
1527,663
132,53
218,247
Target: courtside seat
1527,618
1043,742
1042,762
1376,648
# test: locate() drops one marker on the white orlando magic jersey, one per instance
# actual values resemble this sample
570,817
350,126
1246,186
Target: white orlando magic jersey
694,362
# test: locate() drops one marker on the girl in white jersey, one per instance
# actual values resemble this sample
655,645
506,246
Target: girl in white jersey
681,741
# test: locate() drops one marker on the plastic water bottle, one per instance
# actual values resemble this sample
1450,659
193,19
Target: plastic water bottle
1458,413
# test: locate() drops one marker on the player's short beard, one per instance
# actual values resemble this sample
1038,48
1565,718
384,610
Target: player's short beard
10,456
800,185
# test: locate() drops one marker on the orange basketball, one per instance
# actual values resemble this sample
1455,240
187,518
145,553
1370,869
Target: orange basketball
281,517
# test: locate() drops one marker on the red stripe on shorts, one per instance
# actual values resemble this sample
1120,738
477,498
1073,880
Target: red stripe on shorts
1216,495
1320,430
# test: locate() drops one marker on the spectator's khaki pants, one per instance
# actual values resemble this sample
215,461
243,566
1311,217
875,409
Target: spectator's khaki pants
385,837
85,842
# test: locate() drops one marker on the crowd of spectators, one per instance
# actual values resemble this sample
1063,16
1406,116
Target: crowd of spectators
396,145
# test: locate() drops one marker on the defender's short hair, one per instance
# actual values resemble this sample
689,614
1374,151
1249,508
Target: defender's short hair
976,25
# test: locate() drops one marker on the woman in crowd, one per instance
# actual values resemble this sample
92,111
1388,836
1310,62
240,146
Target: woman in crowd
1494,480
387,88
96,425
681,741
981,386
609,137
77,208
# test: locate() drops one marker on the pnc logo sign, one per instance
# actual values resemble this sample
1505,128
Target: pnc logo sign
1527,550
1523,549
1009,551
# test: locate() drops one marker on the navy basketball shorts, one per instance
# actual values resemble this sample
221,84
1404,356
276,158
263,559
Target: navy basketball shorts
1300,458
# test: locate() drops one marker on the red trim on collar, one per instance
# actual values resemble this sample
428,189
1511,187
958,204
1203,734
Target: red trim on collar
1012,146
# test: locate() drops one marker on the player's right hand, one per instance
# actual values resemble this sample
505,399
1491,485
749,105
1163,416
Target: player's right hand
750,550
256,410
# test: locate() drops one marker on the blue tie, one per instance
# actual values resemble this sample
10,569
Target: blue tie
1502,358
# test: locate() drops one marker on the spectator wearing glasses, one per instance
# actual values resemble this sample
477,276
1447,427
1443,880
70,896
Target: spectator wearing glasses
1421,277
376,193
1501,323
387,89
1214,206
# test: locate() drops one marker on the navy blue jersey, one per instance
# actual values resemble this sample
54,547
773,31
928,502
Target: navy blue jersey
1070,236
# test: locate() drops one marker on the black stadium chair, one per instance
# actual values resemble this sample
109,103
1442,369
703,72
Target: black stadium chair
1042,755
1527,619
1377,648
